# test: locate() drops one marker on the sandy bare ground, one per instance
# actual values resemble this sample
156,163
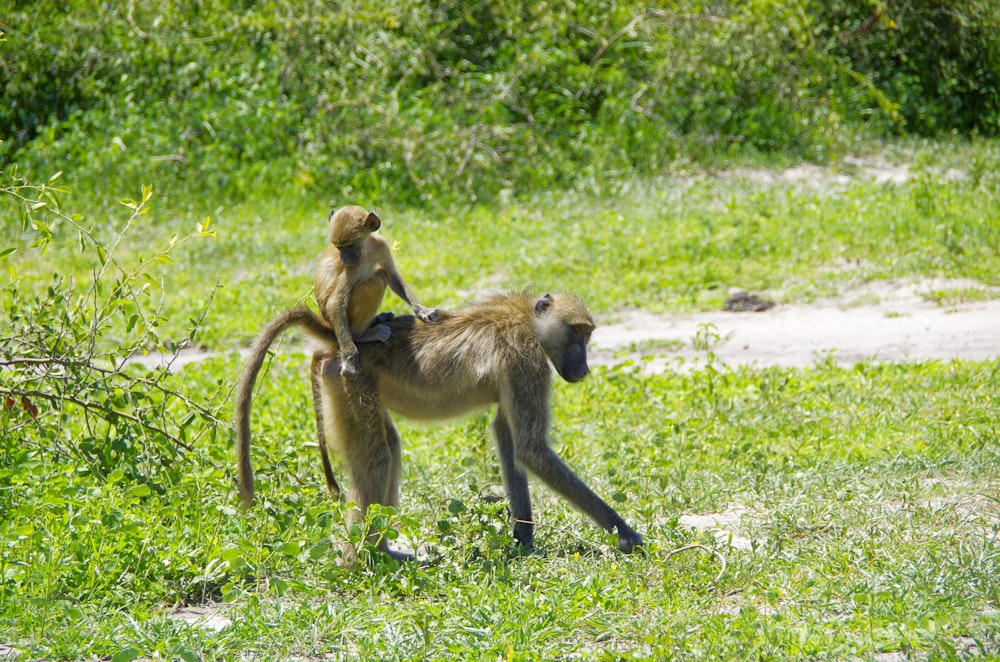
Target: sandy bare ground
884,321
880,321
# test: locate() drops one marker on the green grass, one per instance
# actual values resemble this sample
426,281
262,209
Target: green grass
869,495
669,244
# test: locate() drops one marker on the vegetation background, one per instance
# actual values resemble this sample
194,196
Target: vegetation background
167,172
414,101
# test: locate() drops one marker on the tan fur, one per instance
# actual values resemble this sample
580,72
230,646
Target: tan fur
350,282
497,351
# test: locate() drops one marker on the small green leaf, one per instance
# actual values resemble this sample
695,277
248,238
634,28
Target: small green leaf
125,654
24,530
318,550
231,554
138,491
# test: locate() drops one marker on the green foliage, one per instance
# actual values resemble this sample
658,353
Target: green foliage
865,492
939,62
69,390
407,101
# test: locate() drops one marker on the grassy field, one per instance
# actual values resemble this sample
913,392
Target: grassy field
676,243
858,507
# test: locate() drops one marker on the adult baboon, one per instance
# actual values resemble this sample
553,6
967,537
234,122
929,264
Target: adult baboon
497,351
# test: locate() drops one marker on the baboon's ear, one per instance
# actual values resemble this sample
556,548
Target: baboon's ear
332,212
543,304
373,222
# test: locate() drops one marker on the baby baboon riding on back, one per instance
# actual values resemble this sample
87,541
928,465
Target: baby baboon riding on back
497,351
350,281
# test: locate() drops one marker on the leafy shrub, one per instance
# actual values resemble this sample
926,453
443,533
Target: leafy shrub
70,388
407,100
938,61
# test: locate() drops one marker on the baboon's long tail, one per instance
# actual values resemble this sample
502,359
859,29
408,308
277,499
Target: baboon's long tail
314,326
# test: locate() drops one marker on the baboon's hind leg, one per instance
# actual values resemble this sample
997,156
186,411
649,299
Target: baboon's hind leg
396,466
324,451
370,445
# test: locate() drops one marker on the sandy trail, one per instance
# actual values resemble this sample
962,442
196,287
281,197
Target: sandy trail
885,321
882,321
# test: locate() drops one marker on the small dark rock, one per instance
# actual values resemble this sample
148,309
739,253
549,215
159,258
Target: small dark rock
742,302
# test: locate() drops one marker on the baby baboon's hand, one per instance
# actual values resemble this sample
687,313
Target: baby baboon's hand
428,314
382,318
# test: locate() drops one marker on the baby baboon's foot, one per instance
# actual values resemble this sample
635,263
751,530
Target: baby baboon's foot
376,333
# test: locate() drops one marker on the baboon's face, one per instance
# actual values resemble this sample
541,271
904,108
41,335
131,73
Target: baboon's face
563,327
351,253
349,228
573,363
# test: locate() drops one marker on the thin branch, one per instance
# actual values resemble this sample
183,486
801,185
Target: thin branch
688,548
621,33
866,26
103,412
645,16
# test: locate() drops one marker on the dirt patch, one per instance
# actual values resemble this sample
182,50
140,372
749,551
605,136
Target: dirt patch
885,321
850,169
724,527
889,321
207,617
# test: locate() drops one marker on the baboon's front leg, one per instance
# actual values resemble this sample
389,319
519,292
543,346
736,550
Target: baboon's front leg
532,452
516,482
544,463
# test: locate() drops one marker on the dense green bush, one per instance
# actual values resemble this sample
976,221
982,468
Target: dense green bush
938,61
405,100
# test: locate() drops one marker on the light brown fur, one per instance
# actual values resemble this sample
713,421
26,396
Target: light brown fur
351,279
495,352
349,285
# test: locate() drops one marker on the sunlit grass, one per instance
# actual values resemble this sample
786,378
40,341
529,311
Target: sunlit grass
864,502
868,496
